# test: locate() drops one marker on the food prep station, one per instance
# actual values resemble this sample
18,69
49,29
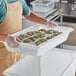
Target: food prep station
50,58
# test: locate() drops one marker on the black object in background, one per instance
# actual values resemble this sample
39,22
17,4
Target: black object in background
70,1
28,1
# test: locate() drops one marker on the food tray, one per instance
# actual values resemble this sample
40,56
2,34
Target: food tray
30,49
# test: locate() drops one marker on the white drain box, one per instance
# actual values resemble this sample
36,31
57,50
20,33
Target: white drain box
42,6
55,62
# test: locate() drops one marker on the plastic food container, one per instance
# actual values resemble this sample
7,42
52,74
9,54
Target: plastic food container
57,62
42,6
30,49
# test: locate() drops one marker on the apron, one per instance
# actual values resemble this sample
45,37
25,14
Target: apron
11,24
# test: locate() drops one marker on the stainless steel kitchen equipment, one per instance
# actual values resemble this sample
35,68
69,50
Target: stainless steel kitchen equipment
67,6
68,18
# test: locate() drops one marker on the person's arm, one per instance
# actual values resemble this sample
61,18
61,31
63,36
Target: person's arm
2,16
34,17
37,19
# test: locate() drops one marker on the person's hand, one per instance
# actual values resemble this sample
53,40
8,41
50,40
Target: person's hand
12,42
52,24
